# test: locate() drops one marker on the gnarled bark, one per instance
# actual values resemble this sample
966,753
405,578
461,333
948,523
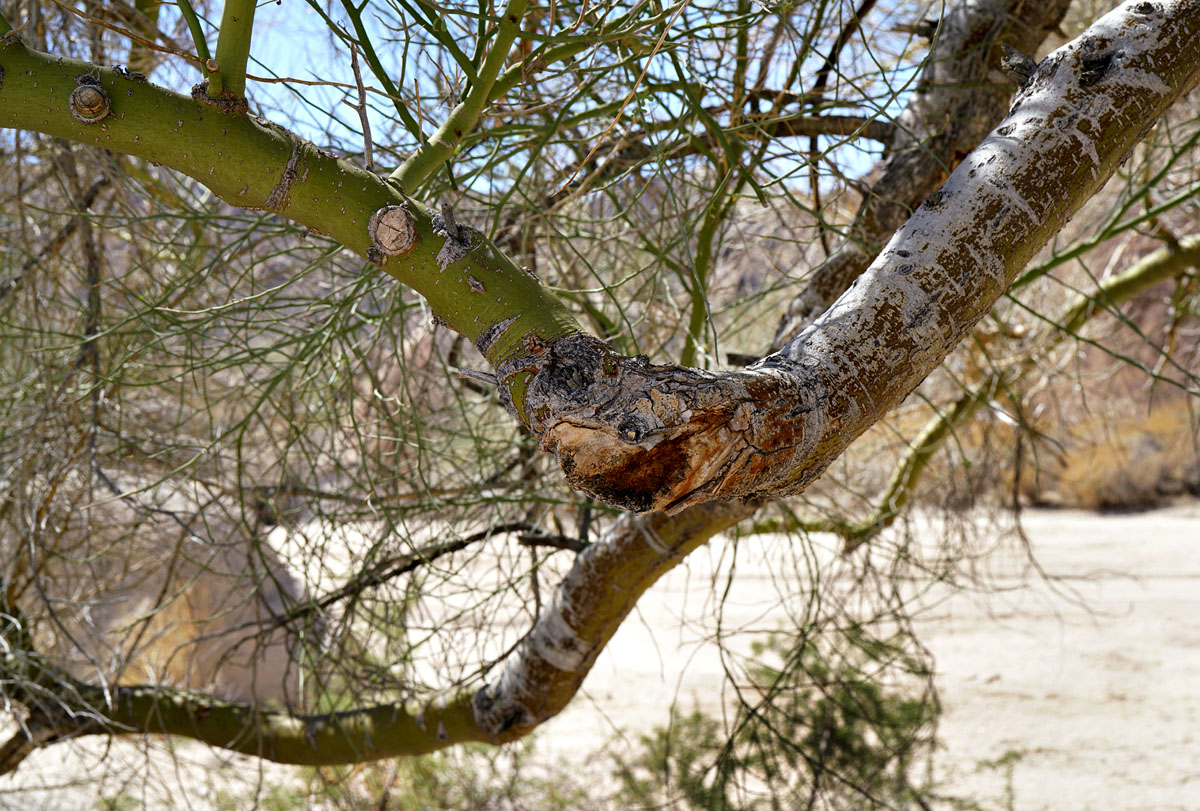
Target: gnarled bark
659,437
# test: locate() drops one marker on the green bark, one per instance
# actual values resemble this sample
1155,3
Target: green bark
193,24
233,49
387,730
254,164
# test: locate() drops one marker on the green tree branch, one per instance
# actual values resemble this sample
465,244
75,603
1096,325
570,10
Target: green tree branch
430,156
468,283
233,49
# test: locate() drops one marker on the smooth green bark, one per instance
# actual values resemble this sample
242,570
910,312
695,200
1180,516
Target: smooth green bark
233,49
387,730
254,164
193,24
402,728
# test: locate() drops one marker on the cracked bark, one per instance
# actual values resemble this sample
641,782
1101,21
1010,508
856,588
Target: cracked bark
962,94
1005,197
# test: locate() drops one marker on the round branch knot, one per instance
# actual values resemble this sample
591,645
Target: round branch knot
89,103
392,230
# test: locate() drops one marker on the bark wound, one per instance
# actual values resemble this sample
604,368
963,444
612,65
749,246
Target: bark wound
492,334
89,104
391,232
278,199
647,437
460,239
1094,63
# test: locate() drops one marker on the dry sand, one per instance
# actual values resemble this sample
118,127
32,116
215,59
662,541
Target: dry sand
1089,681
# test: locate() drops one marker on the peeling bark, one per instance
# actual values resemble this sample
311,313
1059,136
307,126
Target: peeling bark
962,94
647,437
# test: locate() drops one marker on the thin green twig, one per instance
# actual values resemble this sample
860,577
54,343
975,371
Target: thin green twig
432,154
233,49
372,58
193,24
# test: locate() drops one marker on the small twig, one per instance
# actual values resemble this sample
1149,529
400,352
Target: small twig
479,377
553,541
534,584
174,49
385,795
55,243
361,107
197,32
391,568
10,35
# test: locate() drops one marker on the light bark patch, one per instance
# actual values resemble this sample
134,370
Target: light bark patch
391,230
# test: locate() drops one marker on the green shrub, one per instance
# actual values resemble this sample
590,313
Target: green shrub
848,725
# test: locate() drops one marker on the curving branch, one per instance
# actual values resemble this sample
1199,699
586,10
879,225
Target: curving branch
634,434
648,437
1168,262
442,144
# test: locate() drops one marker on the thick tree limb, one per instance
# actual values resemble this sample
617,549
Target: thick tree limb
1168,262
536,682
961,96
659,437
652,437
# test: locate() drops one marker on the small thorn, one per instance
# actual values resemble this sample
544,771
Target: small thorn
448,221
478,377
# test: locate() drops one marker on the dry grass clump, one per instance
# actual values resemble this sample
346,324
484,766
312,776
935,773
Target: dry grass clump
1130,464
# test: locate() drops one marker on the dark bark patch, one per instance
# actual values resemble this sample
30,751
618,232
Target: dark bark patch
280,196
460,239
497,718
935,200
229,105
492,334
1093,66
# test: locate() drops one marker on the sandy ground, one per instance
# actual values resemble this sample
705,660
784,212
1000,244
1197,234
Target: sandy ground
1089,681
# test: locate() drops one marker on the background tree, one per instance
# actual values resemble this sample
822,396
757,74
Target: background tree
217,476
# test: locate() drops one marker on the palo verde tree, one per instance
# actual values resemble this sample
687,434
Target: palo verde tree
252,497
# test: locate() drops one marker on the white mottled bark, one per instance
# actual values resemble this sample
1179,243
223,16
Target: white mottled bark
962,94
603,586
662,438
